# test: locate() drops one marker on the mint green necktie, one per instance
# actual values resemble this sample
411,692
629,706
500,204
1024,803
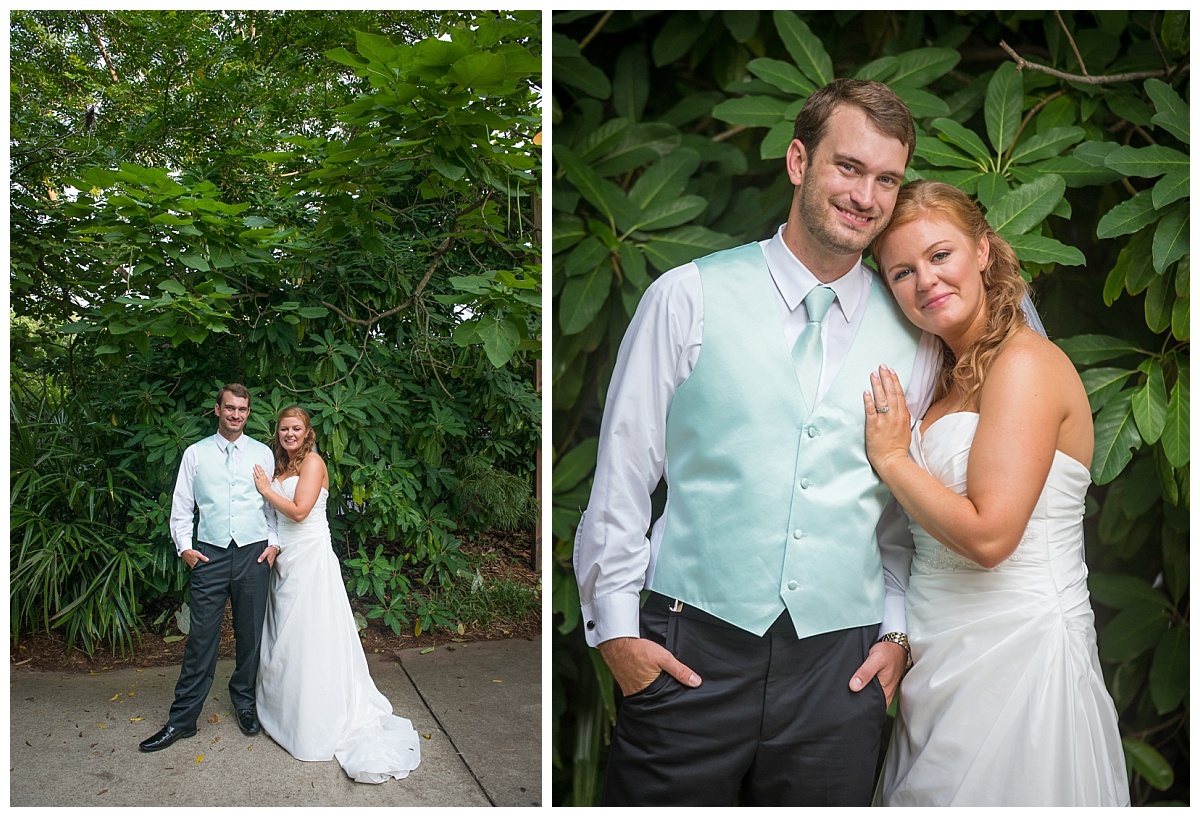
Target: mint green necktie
229,448
807,354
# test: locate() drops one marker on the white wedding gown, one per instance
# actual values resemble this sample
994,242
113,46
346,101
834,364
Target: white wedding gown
315,695
1005,705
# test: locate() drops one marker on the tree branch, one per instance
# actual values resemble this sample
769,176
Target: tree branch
1071,40
1022,64
437,256
596,29
112,72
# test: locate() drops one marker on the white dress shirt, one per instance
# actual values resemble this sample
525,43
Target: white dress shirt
614,560
183,503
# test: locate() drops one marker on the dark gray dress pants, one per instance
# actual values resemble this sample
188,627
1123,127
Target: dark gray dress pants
773,723
230,573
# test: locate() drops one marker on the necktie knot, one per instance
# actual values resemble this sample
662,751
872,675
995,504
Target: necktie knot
817,302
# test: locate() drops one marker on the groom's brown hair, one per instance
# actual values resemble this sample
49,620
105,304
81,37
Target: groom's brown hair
237,390
880,103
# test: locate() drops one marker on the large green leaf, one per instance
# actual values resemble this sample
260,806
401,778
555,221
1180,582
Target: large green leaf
676,37
1116,438
1027,206
665,179
602,140
574,466
1045,145
1075,171
1169,672
1147,762
1172,112
600,193
922,104
1133,631
1150,402
582,299
939,153
1171,238
1120,590
1128,216
1085,350
921,66
1103,383
1037,249
643,143
672,248
670,214
1135,265
500,339
806,49
967,139
1176,436
1160,299
1170,188
631,83
752,111
571,68
1175,30
1147,162
783,75
1003,106
481,71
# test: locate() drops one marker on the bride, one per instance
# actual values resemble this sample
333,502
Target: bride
1005,704
315,694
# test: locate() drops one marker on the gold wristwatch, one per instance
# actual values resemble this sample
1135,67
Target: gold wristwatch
902,640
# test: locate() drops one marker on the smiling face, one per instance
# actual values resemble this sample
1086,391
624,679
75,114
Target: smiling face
232,412
934,270
292,433
845,192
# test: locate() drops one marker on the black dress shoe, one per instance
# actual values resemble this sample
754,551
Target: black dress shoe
248,721
165,737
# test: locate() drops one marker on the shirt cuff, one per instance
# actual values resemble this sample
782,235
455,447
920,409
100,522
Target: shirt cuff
608,617
895,619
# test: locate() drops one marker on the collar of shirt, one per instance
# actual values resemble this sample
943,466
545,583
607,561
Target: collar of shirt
223,443
794,280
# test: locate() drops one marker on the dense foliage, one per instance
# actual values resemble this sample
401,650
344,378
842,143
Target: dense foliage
336,209
1071,130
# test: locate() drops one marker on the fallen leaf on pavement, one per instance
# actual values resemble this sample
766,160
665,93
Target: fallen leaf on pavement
214,718
113,698
136,720
199,758
426,651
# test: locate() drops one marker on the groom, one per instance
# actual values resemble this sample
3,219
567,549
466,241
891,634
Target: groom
758,670
230,558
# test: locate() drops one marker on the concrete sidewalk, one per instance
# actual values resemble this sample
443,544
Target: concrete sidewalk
478,708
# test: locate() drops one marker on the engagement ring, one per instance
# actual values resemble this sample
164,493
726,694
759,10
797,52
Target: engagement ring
883,409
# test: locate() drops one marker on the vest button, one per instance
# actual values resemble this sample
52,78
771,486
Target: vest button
813,431
797,533
793,585
804,483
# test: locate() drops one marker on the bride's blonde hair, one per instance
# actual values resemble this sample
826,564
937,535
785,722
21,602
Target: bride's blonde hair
1003,286
285,464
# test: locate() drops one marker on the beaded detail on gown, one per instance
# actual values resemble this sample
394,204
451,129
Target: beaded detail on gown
1005,704
315,695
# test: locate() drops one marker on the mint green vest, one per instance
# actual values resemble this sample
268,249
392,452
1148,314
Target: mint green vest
769,507
231,508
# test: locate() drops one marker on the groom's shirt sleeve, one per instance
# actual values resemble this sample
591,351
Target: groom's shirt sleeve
268,464
183,503
612,552
892,533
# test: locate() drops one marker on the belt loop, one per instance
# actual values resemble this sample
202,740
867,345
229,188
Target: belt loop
676,606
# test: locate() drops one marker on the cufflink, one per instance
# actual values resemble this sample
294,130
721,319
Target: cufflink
591,625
